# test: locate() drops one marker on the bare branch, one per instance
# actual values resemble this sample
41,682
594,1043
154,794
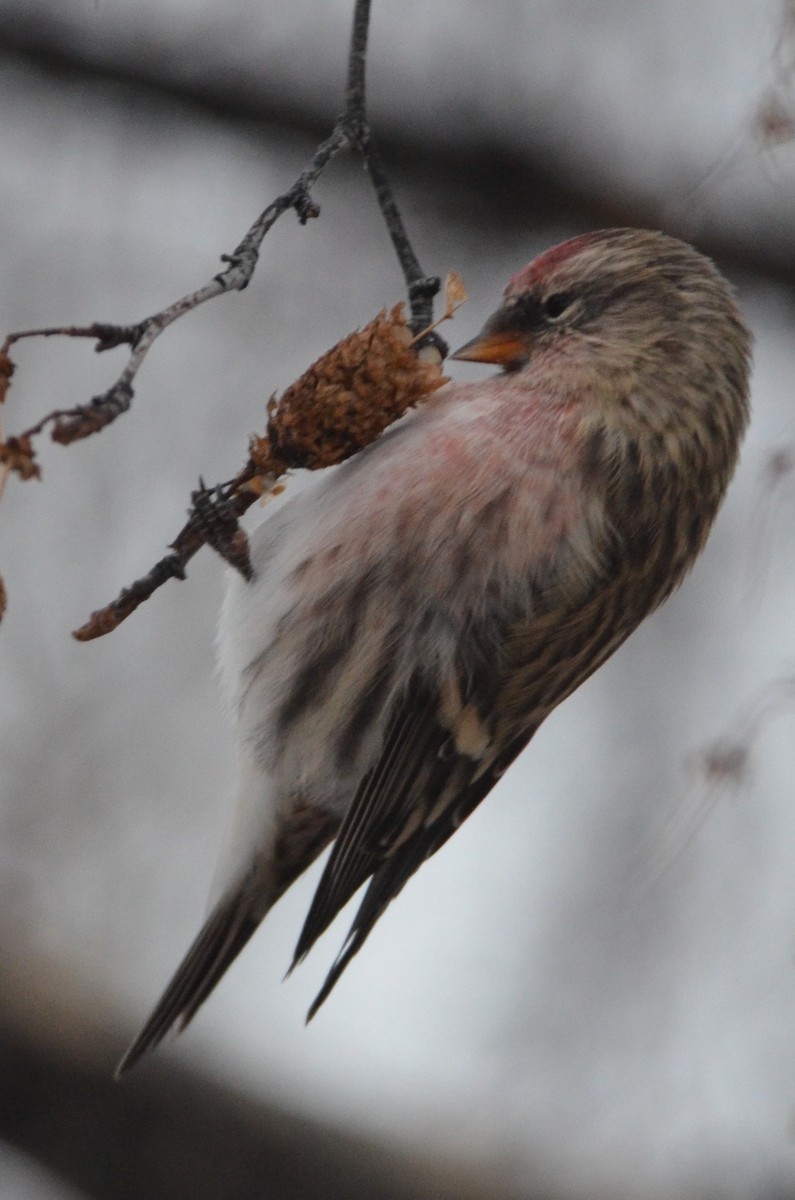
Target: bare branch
350,131
195,533
214,511
421,287
342,403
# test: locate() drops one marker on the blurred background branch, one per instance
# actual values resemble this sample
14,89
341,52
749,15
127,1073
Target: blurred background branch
544,171
178,1133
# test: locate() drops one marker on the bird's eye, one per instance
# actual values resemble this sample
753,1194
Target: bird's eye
556,304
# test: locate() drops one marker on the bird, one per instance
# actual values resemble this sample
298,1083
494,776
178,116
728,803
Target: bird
414,616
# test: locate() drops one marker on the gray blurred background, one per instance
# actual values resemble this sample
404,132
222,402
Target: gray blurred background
591,991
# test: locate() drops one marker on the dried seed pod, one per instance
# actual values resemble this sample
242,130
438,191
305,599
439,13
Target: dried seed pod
348,397
17,454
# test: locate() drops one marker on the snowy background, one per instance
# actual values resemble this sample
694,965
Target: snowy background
596,975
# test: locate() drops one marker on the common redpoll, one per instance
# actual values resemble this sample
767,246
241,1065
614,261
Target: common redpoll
417,613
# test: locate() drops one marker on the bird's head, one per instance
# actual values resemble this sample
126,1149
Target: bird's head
615,310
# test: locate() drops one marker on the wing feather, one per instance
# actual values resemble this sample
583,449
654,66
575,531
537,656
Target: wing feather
422,770
385,800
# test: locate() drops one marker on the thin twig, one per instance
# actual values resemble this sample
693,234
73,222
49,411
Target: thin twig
214,511
421,287
341,403
351,130
195,533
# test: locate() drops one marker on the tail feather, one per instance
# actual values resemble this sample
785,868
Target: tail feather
218,944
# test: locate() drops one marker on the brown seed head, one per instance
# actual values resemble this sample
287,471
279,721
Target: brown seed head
348,397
